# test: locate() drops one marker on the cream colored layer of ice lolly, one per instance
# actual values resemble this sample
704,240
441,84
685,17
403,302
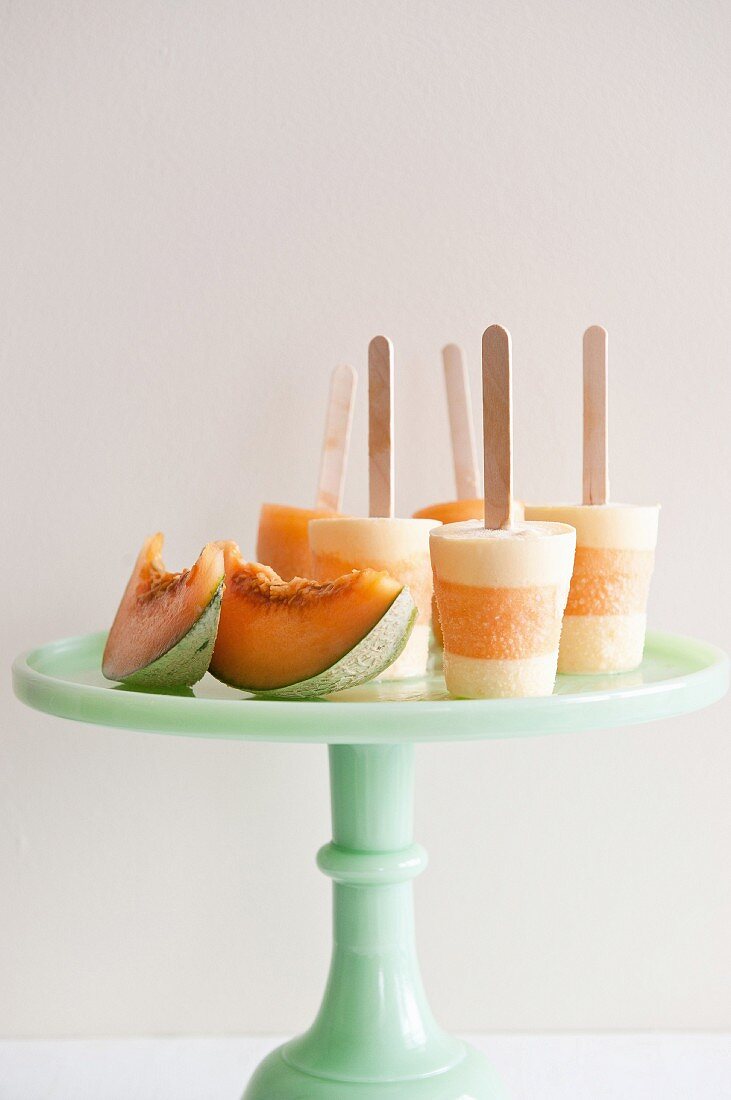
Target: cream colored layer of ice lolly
475,678
606,526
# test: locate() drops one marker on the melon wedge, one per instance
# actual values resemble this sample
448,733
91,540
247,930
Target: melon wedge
163,633
298,639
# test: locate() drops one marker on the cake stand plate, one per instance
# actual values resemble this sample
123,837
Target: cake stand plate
374,1037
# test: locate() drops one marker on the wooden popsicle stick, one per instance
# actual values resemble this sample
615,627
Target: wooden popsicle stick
461,427
338,423
380,426
596,470
497,426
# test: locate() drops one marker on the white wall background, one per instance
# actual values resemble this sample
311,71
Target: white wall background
204,207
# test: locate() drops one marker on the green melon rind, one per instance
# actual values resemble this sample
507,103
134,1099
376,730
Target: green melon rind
187,661
366,660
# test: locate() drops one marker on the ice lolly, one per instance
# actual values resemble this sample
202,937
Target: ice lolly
380,541
501,585
468,504
282,541
605,622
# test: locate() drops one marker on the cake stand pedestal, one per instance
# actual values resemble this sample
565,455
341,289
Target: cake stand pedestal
374,1037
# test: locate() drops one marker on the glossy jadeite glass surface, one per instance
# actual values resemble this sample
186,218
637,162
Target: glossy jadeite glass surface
374,1037
677,675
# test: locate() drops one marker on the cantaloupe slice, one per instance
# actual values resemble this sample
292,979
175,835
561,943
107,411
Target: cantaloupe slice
164,630
300,638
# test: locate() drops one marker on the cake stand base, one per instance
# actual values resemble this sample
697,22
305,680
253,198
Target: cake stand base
374,1036
472,1078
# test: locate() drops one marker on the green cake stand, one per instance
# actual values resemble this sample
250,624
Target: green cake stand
374,1037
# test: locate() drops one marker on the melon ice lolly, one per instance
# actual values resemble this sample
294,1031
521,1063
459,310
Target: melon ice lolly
605,623
501,585
469,504
282,541
380,541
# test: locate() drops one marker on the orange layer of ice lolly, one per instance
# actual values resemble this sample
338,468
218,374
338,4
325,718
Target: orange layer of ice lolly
610,582
499,623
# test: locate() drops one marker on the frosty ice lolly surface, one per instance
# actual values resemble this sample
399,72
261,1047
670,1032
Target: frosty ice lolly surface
501,594
606,614
455,511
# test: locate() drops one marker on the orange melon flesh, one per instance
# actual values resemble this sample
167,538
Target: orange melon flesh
159,608
274,633
283,542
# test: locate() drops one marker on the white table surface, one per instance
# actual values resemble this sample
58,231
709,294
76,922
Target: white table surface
534,1067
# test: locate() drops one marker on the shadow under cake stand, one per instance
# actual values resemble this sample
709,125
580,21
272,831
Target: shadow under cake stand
374,1037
